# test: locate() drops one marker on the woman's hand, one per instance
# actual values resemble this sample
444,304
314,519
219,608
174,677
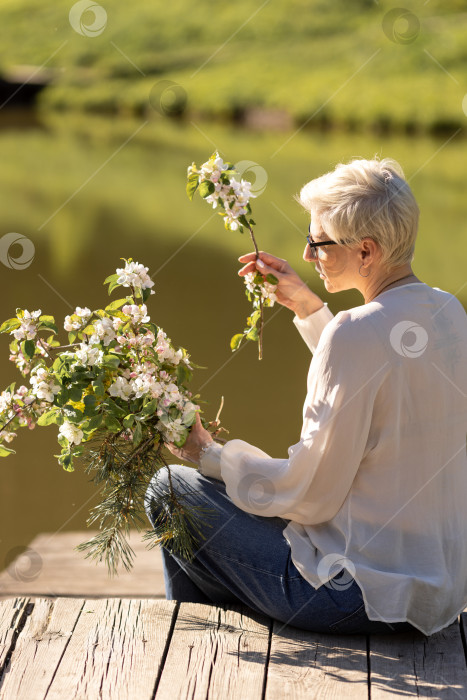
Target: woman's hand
196,440
291,292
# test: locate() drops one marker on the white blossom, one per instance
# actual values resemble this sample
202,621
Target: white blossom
134,275
72,433
28,328
138,314
172,429
172,393
103,331
43,385
121,388
6,435
265,289
6,399
83,314
88,355
188,411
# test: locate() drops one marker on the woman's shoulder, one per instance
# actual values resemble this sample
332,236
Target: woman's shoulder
413,303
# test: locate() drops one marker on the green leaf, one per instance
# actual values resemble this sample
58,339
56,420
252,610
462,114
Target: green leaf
72,414
67,462
252,223
114,408
272,279
62,441
72,335
253,334
117,304
111,361
75,393
62,397
146,293
138,434
94,422
10,325
48,322
254,318
192,185
89,404
235,341
190,418
5,451
150,407
98,387
183,374
182,440
49,417
206,188
128,420
112,423
111,278
28,348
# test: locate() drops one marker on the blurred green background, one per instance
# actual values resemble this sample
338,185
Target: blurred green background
95,171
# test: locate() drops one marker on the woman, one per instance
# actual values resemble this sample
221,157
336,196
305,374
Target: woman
363,528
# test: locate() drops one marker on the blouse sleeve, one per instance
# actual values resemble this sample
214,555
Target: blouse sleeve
311,327
311,485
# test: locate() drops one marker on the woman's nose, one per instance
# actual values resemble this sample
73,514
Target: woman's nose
308,254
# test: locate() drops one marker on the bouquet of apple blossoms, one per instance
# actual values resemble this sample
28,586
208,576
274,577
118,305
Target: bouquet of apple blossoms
218,184
117,392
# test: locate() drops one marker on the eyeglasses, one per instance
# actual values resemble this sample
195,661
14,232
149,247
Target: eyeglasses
314,246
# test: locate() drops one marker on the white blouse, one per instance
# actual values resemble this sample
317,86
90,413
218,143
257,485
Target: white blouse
377,483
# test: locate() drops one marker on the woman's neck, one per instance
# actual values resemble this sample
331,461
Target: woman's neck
396,278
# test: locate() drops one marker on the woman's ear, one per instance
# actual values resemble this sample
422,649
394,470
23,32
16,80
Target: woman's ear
369,247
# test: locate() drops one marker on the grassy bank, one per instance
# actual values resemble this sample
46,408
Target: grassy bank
345,63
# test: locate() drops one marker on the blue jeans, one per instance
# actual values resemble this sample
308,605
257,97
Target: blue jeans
245,558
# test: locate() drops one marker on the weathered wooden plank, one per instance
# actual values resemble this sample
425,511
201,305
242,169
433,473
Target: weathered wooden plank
215,653
116,650
308,665
55,568
418,666
39,648
12,616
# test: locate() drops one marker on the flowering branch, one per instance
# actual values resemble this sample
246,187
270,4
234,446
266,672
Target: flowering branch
217,185
118,396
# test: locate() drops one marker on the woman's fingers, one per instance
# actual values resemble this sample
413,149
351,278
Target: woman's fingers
266,257
251,267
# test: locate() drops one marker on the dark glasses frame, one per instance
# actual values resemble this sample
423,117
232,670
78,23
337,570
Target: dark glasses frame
314,245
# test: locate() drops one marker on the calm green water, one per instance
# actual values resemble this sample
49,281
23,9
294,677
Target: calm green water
89,191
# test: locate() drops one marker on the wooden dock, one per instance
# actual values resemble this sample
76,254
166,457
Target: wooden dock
124,648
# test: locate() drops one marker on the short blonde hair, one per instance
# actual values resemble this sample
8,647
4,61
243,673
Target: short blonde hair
366,198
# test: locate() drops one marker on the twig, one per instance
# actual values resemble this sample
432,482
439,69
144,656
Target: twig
261,323
216,420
